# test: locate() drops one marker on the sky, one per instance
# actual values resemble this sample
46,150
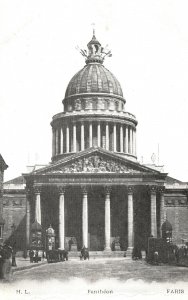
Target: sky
38,57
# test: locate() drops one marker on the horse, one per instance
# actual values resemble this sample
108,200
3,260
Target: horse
63,255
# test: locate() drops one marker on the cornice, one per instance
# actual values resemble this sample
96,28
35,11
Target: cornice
112,117
94,94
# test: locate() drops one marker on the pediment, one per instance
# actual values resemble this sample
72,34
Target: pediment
98,161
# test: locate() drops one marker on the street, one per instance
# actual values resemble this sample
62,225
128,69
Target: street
97,269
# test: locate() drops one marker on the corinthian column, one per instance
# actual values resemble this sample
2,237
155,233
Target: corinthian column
74,137
37,191
56,142
27,218
90,135
134,142
99,134
67,139
84,217
82,137
153,211
130,220
107,136
53,142
127,140
131,140
61,218
162,209
114,134
107,219
121,138
61,140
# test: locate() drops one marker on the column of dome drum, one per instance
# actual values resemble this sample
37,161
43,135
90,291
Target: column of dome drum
79,136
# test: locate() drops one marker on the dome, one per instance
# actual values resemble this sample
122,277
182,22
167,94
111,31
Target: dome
94,78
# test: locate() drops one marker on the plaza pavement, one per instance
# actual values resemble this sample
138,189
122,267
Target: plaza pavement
97,269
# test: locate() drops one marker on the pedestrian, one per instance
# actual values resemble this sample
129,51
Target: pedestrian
14,255
31,254
156,258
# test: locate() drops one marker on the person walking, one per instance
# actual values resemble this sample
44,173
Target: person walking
14,255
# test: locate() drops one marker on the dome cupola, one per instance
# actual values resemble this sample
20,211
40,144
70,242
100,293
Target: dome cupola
94,85
95,51
94,110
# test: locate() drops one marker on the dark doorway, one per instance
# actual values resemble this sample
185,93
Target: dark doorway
96,219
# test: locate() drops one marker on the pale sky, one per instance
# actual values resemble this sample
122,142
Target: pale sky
149,43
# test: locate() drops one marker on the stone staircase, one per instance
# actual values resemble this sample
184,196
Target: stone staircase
99,254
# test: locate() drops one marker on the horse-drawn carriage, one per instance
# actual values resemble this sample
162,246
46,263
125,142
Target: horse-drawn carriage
35,255
56,255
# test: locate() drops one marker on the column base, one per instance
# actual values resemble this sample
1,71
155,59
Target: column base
74,248
129,251
107,249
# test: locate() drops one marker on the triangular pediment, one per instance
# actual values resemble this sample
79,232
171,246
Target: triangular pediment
95,161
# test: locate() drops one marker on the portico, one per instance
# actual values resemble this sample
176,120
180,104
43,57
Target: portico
97,207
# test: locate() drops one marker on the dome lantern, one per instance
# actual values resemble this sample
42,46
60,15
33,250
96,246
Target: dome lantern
95,51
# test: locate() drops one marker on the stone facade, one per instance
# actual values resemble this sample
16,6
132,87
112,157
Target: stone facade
14,207
3,167
94,192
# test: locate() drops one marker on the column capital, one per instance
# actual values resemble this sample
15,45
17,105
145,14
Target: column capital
37,189
108,190
28,190
84,189
152,189
130,189
161,189
61,189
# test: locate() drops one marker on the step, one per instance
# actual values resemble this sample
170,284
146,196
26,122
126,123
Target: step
98,254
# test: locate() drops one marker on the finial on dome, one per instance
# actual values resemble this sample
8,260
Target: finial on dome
95,53
93,24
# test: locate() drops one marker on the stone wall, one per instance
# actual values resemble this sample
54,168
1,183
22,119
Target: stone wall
14,209
176,207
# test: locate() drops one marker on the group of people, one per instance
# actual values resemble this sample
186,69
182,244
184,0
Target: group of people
8,252
34,256
181,254
84,253
171,255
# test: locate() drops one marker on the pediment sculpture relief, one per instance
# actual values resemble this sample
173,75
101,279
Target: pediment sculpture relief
94,164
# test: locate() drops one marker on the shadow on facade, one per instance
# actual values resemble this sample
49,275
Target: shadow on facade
18,237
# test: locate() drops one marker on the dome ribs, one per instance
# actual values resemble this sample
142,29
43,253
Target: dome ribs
83,80
99,81
93,78
105,80
89,82
115,83
94,83
69,88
